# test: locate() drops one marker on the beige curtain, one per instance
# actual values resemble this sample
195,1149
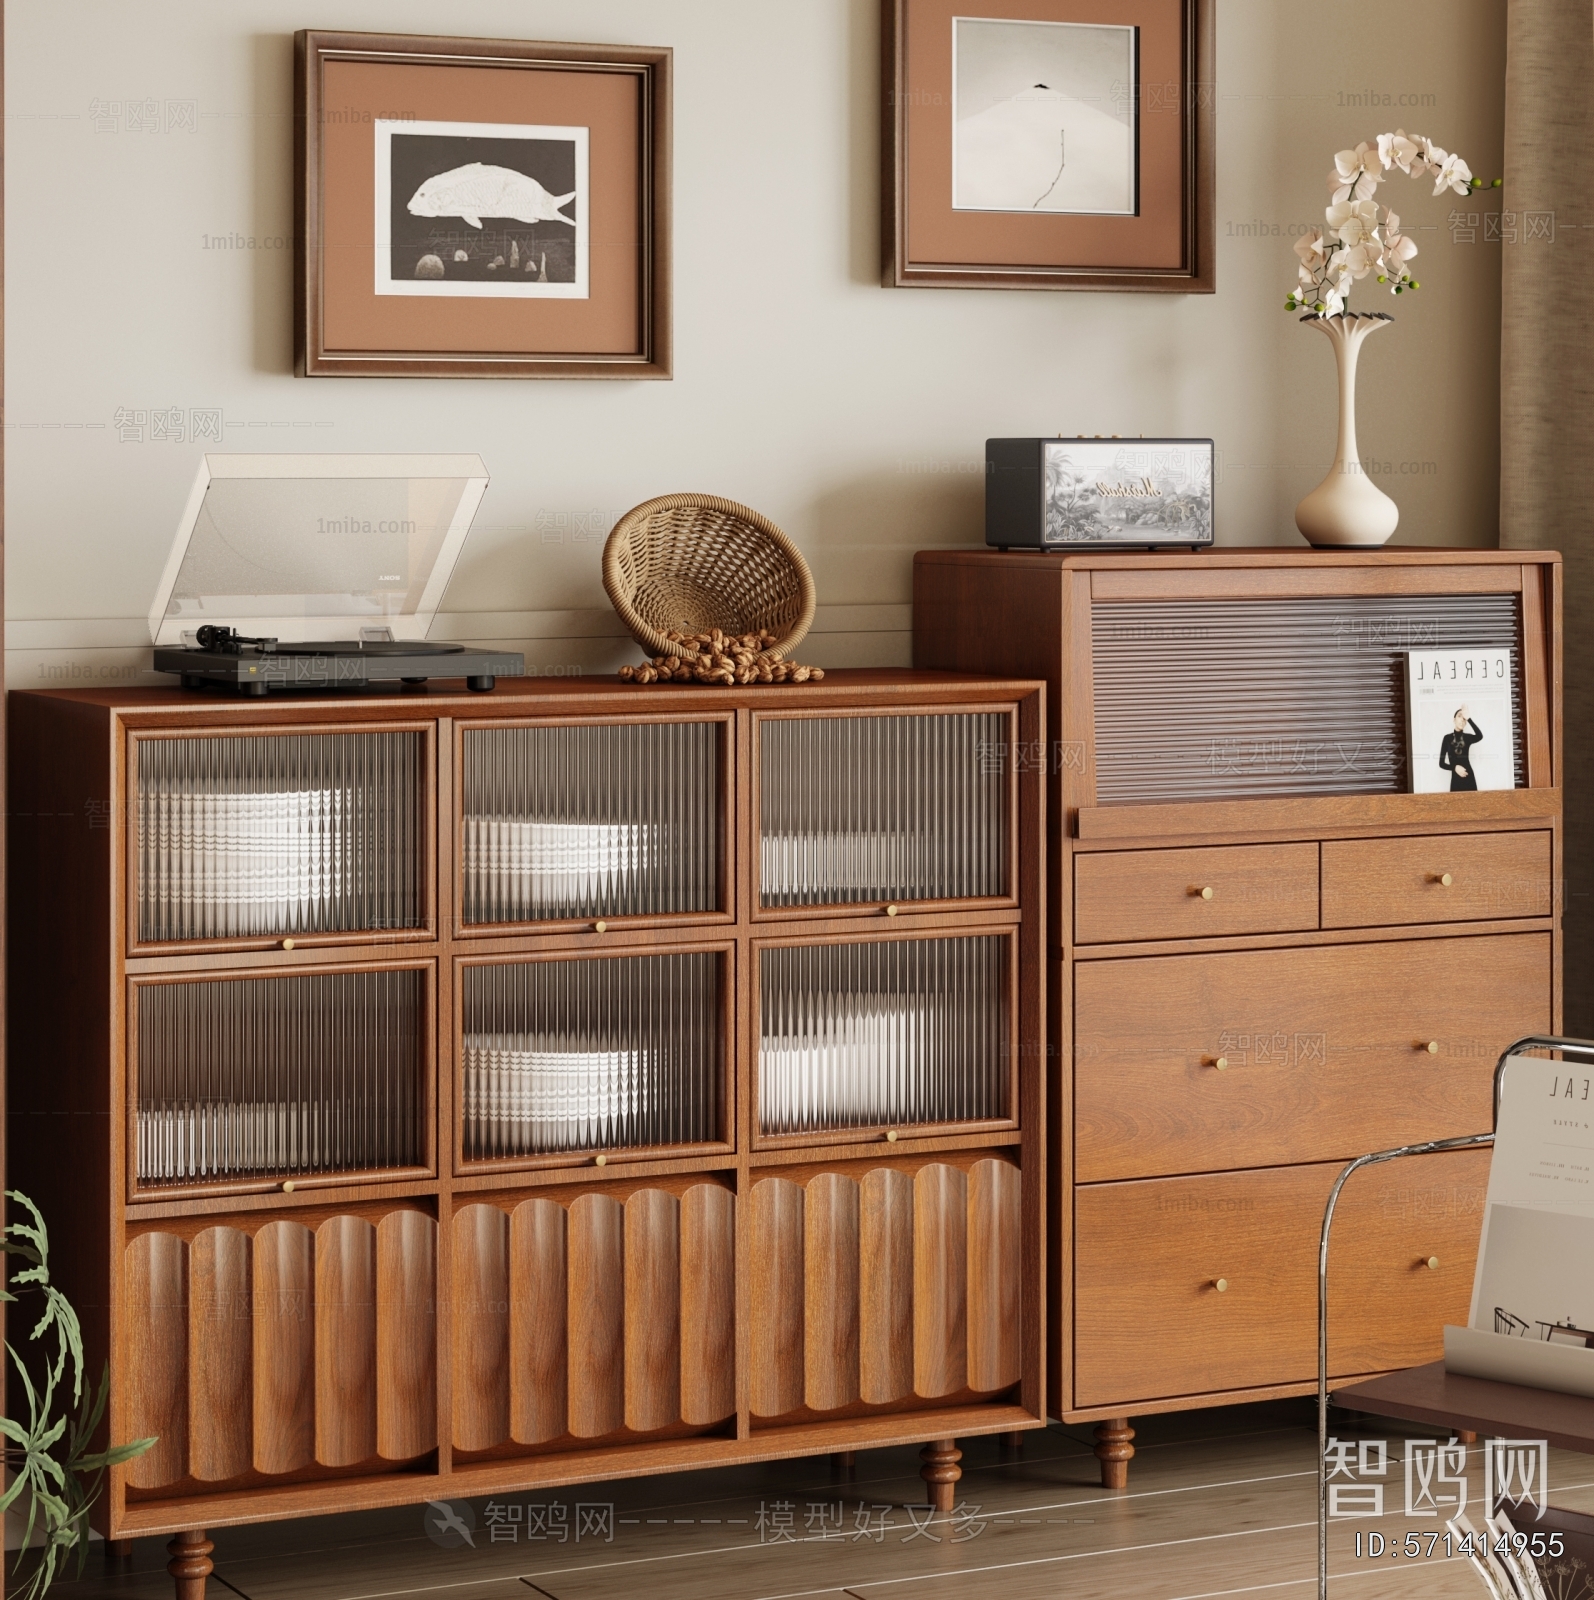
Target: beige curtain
1547,393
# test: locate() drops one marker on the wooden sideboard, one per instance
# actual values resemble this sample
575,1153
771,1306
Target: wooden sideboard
431,1095
1266,956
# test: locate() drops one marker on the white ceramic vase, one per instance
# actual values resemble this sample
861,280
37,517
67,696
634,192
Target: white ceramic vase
1347,508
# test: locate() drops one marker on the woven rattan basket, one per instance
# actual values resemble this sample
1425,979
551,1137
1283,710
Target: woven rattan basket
689,563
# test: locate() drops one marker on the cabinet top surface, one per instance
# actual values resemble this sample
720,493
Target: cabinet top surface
535,696
1246,556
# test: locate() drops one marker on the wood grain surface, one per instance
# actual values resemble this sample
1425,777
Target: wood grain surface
538,1320
481,1323
652,1310
1326,1050
221,1354
156,1286
406,1335
1148,1258
1380,882
283,1397
596,1276
345,1341
708,1304
1121,895
908,1285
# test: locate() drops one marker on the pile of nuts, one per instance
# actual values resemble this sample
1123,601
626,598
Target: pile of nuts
717,657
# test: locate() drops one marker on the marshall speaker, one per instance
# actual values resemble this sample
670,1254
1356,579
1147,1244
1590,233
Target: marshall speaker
1098,494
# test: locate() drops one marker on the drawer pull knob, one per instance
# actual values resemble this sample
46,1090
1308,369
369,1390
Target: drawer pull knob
1432,1263
600,927
891,911
600,1161
891,1136
1444,879
1221,1063
1203,893
1432,1047
287,944
1221,1285
288,1186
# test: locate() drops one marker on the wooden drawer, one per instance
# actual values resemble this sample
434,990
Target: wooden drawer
1327,1050
1182,894
1369,883
1151,1325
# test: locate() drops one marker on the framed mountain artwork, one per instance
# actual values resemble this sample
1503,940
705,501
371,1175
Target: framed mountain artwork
481,208
1049,144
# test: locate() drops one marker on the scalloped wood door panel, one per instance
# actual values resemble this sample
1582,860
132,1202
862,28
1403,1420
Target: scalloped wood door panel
883,1287
260,1346
605,1316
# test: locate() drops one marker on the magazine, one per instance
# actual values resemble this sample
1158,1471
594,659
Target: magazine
1459,729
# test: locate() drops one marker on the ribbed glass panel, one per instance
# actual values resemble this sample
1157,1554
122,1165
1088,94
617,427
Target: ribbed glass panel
253,1077
605,1054
564,822
860,1035
1219,699
882,808
279,833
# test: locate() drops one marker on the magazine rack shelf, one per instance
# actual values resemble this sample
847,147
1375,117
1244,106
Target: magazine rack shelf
443,1094
1266,956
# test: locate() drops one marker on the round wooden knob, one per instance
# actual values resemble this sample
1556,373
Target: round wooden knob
1433,1263
1222,1063
1205,892
288,1186
287,944
1446,879
891,1136
600,1161
600,927
1432,1047
891,911
1221,1285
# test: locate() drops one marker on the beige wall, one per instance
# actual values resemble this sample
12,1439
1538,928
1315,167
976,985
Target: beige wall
852,415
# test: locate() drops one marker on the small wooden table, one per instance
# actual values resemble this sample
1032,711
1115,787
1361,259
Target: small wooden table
1475,1405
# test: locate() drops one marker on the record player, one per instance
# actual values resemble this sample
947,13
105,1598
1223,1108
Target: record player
319,572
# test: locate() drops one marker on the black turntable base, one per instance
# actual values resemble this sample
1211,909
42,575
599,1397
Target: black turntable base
257,666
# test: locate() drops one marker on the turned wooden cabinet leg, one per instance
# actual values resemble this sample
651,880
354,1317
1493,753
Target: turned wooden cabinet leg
1114,1450
190,1563
941,1471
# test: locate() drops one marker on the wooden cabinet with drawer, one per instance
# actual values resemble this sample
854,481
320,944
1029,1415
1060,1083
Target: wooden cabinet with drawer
1268,956
477,1093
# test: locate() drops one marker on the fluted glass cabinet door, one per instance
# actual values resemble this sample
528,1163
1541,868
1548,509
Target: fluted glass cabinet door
856,810
286,1076
882,1034
244,837
574,821
608,1053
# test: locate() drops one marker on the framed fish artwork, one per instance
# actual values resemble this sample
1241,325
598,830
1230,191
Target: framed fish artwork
1049,144
481,208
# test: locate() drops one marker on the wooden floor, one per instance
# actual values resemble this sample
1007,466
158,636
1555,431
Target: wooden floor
1220,1503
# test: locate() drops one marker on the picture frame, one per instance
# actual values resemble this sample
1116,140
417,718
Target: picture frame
1049,144
481,208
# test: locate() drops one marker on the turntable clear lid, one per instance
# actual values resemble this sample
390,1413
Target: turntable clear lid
302,547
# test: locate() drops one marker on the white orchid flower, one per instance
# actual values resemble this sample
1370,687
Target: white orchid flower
1360,259
1310,250
1331,300
1452,173
1433,155
1396,150
1354,221
1398,249
1356,173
